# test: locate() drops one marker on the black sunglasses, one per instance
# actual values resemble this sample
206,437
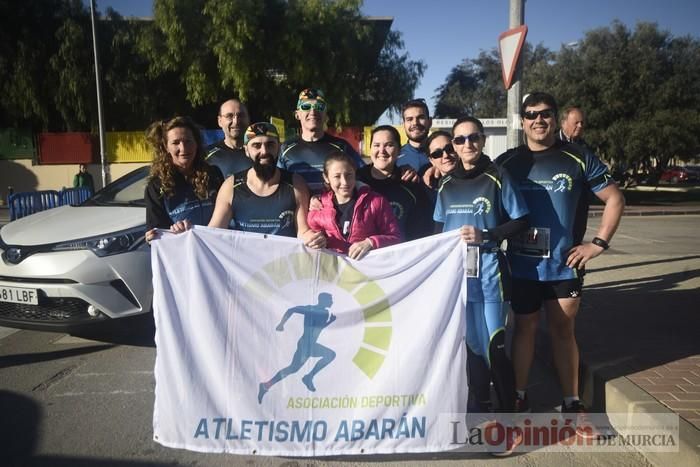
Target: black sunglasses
533,114
438,152
462,139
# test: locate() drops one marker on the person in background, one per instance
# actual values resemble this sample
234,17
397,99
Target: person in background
83,179
572,123
355,219
181,186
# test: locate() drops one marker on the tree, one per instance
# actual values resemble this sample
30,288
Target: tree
640,91
475,87
193,55
265,52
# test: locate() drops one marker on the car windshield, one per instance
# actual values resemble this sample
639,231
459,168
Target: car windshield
125,191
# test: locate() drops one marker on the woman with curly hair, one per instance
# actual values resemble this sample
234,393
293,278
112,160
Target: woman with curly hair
181,186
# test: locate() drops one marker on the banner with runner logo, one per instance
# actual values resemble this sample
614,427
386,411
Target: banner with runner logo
267,347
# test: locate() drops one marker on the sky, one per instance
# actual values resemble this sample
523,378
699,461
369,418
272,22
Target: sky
442,33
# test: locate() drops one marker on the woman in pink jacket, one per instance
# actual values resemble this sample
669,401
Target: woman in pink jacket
355,219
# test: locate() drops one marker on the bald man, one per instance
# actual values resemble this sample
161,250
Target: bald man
228,154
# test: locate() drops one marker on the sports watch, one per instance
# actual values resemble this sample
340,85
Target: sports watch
600,242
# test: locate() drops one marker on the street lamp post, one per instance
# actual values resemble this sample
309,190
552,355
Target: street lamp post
514,130
98,81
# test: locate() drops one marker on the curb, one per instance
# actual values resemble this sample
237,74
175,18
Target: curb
617,394
655,212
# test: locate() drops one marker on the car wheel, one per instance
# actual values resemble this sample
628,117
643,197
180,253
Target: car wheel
674,180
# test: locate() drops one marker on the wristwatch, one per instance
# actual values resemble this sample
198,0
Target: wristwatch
486,236
600,242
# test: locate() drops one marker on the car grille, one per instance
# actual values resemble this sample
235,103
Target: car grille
49,310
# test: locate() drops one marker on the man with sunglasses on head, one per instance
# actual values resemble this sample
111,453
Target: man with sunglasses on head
547,262
416,124
228,154
265,199
307,153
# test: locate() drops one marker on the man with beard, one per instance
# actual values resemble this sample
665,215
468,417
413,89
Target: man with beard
547,262
265,199
306,153
416,123
228,154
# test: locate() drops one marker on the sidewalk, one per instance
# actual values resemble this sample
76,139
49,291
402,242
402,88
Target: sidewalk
638,338
647,210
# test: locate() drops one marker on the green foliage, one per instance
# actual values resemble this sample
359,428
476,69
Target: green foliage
193,55
67,66
640,91
475,87
265,52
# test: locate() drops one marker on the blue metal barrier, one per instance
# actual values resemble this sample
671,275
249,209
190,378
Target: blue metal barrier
26,203
73,196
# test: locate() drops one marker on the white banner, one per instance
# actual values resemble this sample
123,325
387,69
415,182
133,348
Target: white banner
267,347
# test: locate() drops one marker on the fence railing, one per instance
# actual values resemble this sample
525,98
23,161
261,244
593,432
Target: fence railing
26,203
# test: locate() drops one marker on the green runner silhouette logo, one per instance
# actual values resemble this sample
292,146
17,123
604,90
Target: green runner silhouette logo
333,272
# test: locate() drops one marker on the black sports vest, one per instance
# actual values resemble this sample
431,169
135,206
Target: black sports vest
273,214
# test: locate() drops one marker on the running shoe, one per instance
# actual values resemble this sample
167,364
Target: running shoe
514,438
522,405
585,428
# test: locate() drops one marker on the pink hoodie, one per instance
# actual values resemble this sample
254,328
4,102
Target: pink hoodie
372,218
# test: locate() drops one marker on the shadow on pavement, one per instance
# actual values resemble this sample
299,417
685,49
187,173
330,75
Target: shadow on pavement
18,427
67,461
7,361
643,263
138,331
627,326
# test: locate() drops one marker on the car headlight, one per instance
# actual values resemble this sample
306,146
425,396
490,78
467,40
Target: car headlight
106,245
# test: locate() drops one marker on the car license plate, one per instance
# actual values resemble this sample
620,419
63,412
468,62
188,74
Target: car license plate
16,295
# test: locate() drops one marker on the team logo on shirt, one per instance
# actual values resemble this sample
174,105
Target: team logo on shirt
562,182
398,209
286,219
481,206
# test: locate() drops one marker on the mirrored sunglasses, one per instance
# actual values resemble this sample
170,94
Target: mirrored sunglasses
307,106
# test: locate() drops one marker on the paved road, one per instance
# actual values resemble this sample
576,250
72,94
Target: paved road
66,400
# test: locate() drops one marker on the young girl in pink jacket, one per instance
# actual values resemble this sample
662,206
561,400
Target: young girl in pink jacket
355,219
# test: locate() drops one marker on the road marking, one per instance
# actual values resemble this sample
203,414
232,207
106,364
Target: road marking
629,237
135,372
4,332
104,393
68,339
637,239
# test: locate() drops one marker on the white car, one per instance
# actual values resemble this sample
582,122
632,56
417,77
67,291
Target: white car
72,266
